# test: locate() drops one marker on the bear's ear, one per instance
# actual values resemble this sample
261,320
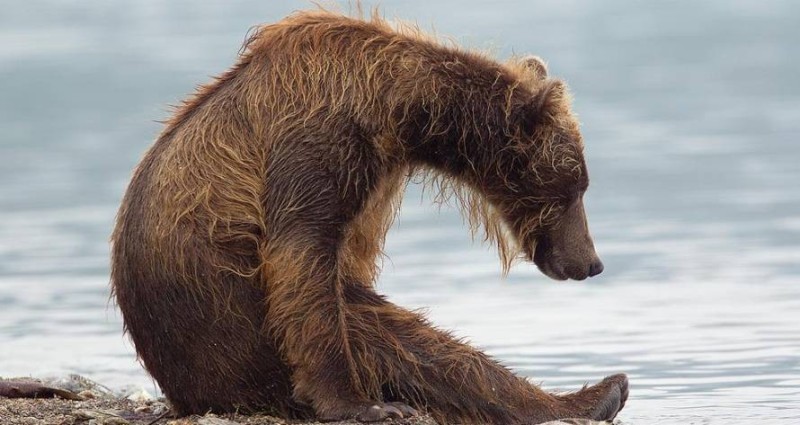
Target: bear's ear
542,105
536,66
550,94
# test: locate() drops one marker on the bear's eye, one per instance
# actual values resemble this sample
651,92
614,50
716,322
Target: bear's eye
575,193
582,185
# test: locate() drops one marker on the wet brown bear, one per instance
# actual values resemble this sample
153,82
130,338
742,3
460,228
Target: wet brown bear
245,249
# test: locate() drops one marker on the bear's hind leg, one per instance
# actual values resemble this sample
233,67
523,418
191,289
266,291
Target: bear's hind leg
458,384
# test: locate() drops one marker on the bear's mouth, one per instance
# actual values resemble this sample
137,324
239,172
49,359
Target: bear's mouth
543,258
550,270
551,265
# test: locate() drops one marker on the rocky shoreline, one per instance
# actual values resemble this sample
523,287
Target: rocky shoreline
55,411
77,400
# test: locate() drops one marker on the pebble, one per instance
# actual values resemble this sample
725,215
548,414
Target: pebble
139,395
215,421
100,417
87,394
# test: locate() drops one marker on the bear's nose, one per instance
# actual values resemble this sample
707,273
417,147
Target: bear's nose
595,268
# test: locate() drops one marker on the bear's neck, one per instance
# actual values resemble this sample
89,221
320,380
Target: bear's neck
460,117
448,109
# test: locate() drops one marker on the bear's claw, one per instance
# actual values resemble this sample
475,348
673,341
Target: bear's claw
614,400
381,411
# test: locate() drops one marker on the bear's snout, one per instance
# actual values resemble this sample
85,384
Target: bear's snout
567,251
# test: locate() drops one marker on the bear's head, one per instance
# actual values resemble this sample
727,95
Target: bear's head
544,179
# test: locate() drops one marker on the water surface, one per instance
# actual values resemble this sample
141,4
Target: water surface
691,114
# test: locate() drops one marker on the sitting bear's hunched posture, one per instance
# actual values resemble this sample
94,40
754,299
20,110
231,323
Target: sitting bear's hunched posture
246,246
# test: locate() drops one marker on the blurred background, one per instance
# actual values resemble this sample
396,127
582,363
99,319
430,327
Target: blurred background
691,115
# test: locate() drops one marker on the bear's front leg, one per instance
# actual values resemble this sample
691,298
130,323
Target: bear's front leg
329,348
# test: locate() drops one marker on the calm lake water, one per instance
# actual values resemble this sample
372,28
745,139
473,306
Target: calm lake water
691,114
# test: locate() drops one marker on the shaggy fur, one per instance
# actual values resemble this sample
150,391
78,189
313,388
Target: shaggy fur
246,245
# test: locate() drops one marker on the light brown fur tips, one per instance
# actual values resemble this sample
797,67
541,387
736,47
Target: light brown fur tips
246,245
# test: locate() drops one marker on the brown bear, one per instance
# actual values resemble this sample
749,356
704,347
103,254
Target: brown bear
245,250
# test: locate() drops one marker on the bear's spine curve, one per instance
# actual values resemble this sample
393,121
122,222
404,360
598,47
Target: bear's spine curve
246,246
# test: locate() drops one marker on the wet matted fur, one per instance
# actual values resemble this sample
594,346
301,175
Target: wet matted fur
247,243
